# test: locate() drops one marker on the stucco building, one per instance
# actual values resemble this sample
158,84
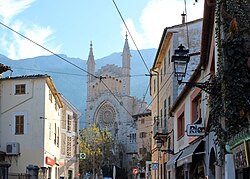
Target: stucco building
165,90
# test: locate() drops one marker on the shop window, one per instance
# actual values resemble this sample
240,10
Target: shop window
20,89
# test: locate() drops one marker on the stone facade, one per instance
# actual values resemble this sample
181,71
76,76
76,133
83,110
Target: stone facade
109,103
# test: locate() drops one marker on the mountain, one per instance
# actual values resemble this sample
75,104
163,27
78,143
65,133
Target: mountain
70,80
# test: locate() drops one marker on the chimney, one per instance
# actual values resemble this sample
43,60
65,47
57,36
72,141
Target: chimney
183,15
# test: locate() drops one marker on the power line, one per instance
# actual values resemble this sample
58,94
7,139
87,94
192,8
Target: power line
158,93
66,61
131,36
75,74
47,50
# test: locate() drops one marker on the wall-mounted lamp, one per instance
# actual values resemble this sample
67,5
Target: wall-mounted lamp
181,59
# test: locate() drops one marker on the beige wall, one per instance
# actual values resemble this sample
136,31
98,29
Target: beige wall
35,144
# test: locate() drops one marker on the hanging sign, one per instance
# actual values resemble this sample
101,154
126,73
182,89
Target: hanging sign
195,130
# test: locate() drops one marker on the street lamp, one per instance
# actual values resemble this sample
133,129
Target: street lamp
180,58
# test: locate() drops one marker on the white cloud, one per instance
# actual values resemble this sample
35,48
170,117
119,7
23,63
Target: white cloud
10,8
18,47
159,14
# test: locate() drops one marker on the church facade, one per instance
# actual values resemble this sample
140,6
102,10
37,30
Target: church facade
110,105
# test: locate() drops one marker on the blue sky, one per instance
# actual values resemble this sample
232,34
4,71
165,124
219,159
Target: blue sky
67,27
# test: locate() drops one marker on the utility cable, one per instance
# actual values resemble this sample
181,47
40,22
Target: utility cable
47,50
66,61
131,35
158,93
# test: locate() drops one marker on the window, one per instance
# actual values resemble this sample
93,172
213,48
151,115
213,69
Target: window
68,146
165,66
20,89
165,113
57,143
142,120
68,123
169,103
55,135
195,107
181,126
154,85
50,96
132,137
143,134
161,75
161,117
19,127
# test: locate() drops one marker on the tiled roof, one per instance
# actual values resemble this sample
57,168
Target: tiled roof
26,76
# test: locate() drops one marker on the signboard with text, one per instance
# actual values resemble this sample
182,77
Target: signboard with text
154,166
195,130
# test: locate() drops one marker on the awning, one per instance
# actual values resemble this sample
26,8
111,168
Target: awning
172,160
187,153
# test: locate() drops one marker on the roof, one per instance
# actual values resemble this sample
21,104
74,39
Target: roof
37,76
167,33
147,113
25,77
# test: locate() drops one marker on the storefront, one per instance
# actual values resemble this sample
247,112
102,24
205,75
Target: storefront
188,163
241,159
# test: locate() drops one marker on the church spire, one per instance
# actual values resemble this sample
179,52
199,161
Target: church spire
126,67
91,63
126,54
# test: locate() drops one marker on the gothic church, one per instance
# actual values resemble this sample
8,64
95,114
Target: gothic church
109,103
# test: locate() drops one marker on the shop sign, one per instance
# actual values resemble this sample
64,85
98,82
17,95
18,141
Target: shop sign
240,156
195,130
50,161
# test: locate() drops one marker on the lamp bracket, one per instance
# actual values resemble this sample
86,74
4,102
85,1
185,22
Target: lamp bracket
206,86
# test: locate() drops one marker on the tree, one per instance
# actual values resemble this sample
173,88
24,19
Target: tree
98,146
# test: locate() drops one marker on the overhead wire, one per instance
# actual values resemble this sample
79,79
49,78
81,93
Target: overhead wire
66,61
158,92
131,35
119,12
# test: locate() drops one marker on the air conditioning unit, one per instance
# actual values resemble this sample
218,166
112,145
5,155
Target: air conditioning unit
12,148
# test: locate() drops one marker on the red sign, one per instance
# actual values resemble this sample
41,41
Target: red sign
50,161
78,174
135,171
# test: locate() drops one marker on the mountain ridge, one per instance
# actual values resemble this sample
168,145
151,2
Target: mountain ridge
71,80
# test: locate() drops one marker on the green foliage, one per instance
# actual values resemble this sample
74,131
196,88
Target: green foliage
98,147
229,104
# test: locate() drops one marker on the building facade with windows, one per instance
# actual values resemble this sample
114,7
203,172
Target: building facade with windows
30,124
144,139
69,159
165,90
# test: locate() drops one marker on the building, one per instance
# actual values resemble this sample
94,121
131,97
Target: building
214,103
69,159
30,125
165,89
110,105
144,139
